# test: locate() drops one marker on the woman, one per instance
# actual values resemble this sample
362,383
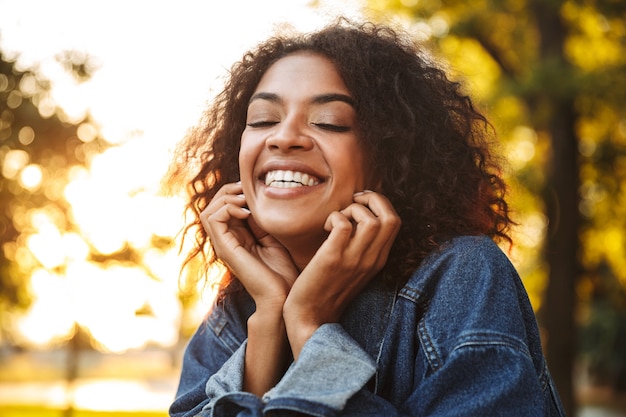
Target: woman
348,187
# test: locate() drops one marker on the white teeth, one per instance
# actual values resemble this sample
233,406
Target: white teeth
289,179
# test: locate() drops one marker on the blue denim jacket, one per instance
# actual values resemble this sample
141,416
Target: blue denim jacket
459,339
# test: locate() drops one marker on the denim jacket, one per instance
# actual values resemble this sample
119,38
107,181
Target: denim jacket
459,339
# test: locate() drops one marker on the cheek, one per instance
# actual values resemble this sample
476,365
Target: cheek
246,170
355,168
246,158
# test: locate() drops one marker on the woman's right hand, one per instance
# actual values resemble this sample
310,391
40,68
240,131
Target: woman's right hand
262,265
265,268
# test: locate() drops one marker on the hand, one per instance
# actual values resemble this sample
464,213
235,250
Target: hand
265,268
360,238
260,262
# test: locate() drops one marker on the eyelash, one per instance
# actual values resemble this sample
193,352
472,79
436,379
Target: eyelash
332,128
324,126
261,124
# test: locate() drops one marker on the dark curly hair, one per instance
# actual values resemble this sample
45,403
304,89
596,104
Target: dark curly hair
427,143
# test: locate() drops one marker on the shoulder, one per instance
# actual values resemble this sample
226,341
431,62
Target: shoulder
469,250
464,261
469,287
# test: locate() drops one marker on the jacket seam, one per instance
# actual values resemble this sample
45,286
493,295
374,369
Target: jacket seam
492,339
430,350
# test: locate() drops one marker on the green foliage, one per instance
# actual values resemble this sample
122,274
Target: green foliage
603,341
524,60
38,147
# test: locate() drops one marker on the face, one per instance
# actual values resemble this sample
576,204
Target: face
300,156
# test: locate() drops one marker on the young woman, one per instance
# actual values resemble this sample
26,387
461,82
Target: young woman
348,187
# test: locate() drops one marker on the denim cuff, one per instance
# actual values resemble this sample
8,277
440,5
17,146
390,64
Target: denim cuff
331,368
229,378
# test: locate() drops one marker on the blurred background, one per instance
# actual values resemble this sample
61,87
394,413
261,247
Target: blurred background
94,314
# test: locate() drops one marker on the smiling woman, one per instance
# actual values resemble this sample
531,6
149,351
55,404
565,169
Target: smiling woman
349,187
293,130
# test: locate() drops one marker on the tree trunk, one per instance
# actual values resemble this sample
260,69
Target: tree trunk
562,205
561,253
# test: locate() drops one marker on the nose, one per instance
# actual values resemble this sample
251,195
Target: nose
289,135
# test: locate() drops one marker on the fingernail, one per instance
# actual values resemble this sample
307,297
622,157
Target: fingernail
362,192
246,210
241,196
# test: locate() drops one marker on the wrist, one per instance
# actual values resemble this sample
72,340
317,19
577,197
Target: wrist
266,321
299,329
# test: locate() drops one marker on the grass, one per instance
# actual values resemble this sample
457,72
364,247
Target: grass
33,411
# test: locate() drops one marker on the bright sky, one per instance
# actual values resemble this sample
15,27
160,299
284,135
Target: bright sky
158,57
157,62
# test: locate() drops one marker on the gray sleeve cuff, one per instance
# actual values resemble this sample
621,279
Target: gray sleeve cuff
331,368
229,378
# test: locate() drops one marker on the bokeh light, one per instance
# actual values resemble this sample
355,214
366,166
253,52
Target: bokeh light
102,253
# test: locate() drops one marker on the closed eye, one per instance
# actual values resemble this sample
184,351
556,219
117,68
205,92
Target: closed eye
332,128
262,123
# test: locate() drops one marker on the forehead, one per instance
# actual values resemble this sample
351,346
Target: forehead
302,73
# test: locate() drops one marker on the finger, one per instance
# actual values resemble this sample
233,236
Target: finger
228,212
218,204
366,224
369,239
353,242
231,188
377,203
377,224
340,228
382,208
223,196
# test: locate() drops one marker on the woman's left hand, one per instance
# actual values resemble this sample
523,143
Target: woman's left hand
360,238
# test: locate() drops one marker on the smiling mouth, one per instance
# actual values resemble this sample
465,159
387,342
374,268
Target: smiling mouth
290,179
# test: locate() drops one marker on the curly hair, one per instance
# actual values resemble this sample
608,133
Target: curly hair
428,144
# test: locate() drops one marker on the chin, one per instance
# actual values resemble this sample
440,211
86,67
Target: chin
285,228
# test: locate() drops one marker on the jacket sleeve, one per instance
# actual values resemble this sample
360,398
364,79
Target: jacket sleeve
471,384
331,379
332,374
483,372
332,367
215,353
476,350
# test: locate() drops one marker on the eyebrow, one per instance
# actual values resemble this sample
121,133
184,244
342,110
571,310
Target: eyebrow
318,99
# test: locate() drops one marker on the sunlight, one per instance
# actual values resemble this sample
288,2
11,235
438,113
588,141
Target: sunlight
521,147
123,307
129,395
14,161
111,266
47,246
49,319
532,229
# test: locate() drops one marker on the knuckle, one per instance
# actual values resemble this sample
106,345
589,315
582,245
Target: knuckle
371,223
342,224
